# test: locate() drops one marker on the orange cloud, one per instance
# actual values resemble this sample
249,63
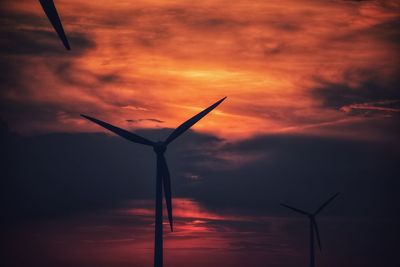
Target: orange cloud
168,60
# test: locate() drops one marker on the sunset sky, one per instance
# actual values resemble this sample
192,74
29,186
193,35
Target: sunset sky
313,108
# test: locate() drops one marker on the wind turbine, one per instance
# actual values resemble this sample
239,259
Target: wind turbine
51,12
313,226
163,178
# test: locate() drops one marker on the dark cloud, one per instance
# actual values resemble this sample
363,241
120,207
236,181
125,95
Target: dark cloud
386,31
305,171
60,174
357,86
26,35
71,74
140,120
41,43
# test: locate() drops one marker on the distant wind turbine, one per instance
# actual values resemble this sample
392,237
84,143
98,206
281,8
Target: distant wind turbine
313,226
163,178
51,12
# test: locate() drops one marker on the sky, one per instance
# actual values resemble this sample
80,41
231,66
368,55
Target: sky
313,109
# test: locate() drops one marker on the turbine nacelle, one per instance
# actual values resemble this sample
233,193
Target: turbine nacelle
160,147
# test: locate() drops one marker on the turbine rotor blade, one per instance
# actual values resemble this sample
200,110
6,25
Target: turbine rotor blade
52,14
325,204
167,189
121,132
189,123
295,209
315,226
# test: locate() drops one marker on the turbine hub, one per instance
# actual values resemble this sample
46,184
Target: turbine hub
160,147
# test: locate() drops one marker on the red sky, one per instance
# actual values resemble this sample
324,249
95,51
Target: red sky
201,238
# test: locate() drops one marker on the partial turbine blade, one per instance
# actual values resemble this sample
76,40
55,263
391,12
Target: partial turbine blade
325,204
52,14
189,123
296,210
121,132
315,226
167,189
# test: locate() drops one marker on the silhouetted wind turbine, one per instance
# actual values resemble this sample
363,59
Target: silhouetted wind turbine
163,178
313,226
51,12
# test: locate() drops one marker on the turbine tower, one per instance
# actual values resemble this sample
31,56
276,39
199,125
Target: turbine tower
163,181
313,226
52,14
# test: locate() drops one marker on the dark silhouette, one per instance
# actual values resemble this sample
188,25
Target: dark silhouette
163,178
313,226
51,12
